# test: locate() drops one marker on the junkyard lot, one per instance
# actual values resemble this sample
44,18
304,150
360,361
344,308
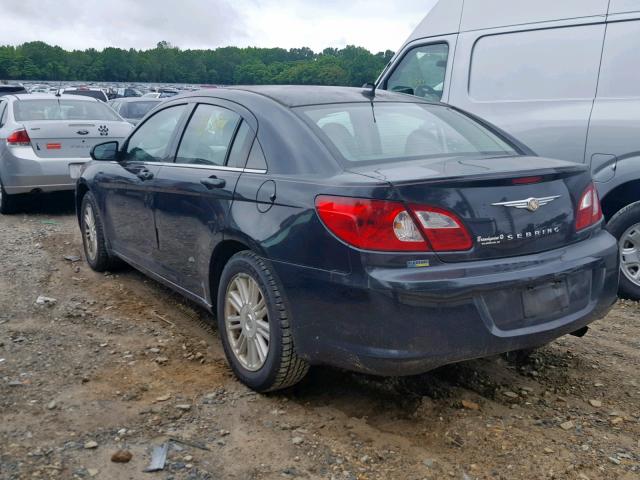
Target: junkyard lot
121,361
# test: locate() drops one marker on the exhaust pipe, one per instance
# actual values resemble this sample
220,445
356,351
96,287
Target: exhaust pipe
581,332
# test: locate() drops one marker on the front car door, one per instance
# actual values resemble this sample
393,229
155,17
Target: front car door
128,185
195,193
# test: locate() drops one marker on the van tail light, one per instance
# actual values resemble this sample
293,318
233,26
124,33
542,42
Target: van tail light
19,138
589,210
389,226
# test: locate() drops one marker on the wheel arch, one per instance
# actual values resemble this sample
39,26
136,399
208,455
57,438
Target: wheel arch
221,255
81,190
619,197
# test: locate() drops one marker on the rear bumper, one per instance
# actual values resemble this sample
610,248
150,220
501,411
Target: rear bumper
407,321
22,171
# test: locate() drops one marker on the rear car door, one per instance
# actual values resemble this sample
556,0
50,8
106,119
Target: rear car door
129,185
195,193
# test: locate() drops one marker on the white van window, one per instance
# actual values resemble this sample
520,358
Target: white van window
559,63
421,72
620,75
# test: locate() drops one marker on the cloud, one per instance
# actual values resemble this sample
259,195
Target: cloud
374,24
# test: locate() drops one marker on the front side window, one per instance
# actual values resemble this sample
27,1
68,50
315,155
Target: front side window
208,136
62,109
421,72
399,131
152,141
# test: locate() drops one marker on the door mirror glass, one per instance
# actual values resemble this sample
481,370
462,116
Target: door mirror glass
422,72
106,152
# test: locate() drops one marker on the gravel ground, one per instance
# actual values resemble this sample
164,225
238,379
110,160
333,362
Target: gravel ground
118,362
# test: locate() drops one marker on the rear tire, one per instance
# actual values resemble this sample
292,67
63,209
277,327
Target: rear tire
8,203
93,238
625,226
251,307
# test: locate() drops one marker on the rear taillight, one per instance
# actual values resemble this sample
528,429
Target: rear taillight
589,210
389,226
19,138
444,230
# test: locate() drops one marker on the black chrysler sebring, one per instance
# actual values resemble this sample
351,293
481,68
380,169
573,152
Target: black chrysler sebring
371,231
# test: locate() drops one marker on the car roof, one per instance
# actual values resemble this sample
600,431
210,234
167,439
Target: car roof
51,96
301,95
137,99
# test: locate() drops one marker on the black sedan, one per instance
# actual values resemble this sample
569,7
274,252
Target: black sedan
367,230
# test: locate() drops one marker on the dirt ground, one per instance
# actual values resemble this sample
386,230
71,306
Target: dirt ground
120,362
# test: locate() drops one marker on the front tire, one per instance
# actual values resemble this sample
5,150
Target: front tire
625,226
254,324
8,203
93,237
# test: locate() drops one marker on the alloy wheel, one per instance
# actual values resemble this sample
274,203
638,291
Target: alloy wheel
630,254
247,322
90,233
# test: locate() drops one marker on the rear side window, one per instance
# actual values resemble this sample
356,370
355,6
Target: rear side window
421,72
551,64
256,157
402,131
241,145
62,109
620,74
208,136
3,113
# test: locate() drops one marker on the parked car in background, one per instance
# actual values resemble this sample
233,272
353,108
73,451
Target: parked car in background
45,140
560,76
162,93
135,108
126,92
91,92
9,89
388,235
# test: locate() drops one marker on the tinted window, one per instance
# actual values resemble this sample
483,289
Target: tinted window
241,145
393,131
61,109
136,109
559,63
421,72
3,113
11,89
620,75
97,94
208,136
152,141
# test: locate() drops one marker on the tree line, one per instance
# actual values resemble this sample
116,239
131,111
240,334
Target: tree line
165,63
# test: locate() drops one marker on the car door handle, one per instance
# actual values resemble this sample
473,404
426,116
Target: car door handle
213,182
144,174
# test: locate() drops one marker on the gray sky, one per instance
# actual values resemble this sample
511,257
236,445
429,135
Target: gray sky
72,24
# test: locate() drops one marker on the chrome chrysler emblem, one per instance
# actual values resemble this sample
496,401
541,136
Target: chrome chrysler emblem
532,204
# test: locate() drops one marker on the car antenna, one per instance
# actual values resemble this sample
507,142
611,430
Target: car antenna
370,93
370,90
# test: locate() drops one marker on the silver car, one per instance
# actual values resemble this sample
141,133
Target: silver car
45,140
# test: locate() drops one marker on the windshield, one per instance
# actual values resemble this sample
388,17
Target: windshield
54,109
136,110
362,132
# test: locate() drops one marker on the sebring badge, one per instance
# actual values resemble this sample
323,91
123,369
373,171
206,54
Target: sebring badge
531,204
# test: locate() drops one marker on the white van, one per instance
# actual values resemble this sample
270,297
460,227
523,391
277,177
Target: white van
561,76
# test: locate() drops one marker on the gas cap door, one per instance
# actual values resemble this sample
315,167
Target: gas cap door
266,196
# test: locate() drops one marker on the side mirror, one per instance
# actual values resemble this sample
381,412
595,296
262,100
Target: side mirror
106,152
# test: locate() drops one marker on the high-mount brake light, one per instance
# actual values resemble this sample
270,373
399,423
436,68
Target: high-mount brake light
19,138
389,226
589,209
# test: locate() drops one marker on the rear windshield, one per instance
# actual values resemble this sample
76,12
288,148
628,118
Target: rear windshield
8,89
61,109
136,109
98,94
362,132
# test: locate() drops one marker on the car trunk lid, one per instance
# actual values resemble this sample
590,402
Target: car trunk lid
509,205
72,139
